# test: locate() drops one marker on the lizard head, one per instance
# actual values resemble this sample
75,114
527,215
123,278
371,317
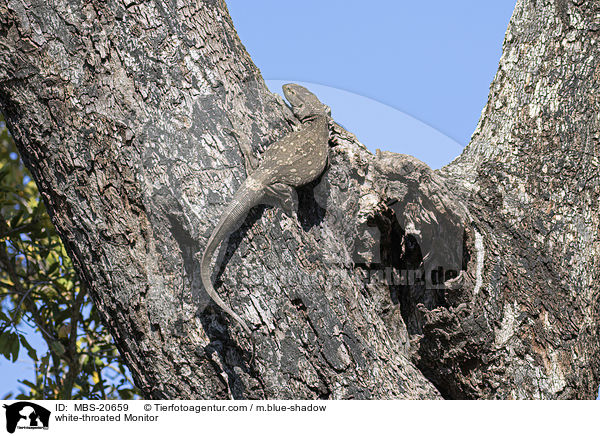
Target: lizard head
304,103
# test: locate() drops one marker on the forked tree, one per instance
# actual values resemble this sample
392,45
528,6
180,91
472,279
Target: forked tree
479,280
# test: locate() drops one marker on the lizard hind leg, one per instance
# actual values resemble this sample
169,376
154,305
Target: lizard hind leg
283,196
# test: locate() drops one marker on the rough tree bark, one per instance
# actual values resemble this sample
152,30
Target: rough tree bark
131,116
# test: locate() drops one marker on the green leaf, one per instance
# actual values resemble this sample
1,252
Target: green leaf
28,384
54,265
15,221
15,347
5,339
58,348
30,350
4,171
126,394
61,316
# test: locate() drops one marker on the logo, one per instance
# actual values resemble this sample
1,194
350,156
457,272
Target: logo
26,415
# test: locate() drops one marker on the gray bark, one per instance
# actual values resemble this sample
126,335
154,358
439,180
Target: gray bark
131,117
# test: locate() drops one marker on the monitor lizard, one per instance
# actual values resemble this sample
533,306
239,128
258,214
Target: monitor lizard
295,160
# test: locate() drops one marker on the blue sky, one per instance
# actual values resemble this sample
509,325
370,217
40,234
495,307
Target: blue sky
430,61
405,76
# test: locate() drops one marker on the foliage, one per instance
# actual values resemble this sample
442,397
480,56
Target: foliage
40,289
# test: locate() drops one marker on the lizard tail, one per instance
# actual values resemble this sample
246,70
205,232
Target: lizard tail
233,216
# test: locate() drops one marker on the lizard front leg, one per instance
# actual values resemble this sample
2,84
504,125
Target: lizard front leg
250,161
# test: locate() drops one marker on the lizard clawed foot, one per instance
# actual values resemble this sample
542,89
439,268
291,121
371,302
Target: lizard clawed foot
283,196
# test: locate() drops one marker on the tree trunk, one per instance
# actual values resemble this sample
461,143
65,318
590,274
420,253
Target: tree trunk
395,281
